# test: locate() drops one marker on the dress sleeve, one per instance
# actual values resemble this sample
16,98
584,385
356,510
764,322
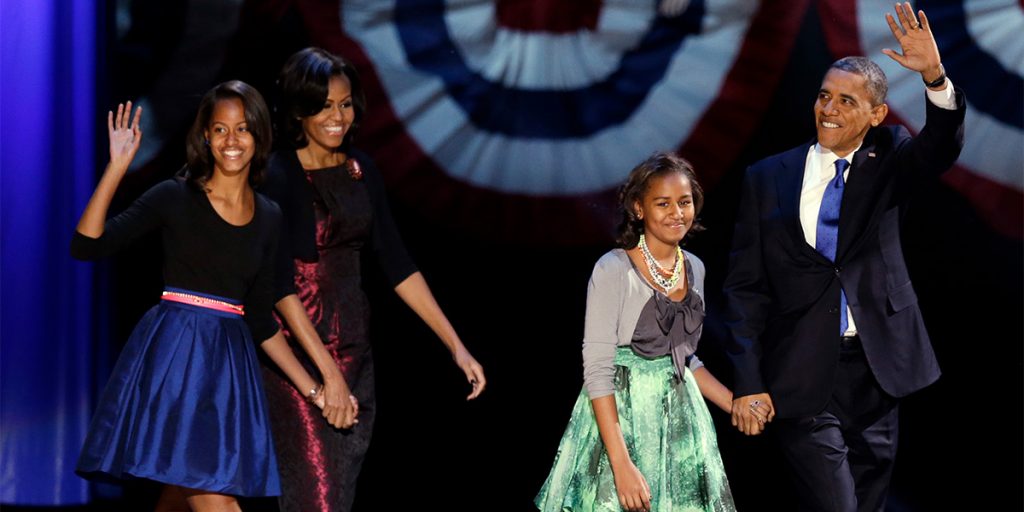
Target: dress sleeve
284,271
277,187
697,286
259,303
601,326
386,244
694,362
145,214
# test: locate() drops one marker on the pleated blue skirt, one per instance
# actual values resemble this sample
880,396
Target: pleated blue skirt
185,406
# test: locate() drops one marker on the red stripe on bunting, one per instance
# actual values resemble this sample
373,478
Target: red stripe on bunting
555,16
746,93
839,23
323,19
1000,205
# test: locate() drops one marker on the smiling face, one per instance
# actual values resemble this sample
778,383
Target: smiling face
844,112
326,129
231,143
667,208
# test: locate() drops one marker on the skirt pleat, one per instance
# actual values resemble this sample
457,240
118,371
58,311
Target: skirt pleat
669,435
185,406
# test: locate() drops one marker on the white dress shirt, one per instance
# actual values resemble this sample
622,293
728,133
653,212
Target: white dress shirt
819,169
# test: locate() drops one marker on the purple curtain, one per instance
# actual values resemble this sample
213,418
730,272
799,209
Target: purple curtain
48,321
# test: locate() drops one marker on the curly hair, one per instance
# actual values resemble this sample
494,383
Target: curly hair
636,185
199,167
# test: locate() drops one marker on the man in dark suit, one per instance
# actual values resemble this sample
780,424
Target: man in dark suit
826,330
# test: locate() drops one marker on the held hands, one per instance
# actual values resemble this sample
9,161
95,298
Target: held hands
338,406
125,137
920,53
634,493
474,372
750,413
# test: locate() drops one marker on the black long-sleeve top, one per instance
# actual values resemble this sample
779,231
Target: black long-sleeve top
202,251
286,184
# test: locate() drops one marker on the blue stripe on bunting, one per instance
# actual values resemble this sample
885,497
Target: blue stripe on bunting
547,114
990,87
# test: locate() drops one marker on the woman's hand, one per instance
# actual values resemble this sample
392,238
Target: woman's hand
751,412
125,137
339,407
474,372
631,486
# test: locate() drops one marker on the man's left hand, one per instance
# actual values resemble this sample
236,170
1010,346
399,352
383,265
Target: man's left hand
914,33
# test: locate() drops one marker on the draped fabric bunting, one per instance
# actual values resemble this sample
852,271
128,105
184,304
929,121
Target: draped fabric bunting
517,120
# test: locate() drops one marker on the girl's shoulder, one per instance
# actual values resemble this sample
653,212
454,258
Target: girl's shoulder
698,265
615,261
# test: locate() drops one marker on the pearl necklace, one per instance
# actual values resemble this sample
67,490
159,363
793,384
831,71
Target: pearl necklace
657,271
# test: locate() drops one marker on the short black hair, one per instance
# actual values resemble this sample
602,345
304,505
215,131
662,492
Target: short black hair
302,90
876,82
199,167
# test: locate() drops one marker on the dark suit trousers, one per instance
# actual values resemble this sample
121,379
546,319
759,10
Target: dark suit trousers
842,457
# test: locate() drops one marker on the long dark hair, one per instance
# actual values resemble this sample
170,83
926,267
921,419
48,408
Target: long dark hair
302,90
199,168
633,190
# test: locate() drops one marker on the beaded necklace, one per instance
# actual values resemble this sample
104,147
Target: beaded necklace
657,271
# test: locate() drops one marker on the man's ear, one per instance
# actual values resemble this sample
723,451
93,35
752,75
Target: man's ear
878,114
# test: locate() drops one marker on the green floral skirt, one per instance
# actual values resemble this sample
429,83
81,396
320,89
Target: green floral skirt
669,435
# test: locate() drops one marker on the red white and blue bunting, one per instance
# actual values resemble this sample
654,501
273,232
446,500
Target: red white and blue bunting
521,120
515,120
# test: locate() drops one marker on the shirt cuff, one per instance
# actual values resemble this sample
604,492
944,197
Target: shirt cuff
694,363
944,98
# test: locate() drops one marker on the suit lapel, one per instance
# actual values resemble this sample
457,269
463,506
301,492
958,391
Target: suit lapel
789,181
857,200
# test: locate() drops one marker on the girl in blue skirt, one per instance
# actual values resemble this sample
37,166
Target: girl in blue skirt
185,404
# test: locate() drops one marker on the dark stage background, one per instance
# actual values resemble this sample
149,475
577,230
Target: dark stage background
511,275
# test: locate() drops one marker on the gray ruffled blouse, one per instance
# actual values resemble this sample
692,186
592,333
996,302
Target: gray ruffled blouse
623,309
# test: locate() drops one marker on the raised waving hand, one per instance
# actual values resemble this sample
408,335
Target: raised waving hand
920,53
125,135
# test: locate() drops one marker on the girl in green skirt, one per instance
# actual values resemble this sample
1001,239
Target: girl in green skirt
645,441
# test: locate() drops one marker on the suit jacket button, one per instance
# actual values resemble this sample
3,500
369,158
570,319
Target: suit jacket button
833,310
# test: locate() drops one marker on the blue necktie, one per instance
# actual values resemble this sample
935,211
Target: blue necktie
827,235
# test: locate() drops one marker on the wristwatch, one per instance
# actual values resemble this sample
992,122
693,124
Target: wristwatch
938,81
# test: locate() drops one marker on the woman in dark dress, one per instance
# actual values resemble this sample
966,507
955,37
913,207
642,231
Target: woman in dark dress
335,211
185,405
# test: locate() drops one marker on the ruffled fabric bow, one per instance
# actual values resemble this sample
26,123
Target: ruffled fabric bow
679,324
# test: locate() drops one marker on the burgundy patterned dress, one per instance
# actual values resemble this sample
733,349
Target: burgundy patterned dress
349,215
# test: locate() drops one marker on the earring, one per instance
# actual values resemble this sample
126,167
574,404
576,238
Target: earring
206,141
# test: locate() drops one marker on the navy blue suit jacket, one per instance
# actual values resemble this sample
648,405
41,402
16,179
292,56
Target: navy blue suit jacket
784,296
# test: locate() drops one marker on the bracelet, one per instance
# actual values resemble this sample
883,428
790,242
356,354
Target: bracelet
938,81
313,393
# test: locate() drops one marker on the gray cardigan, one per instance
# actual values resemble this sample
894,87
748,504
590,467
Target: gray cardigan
615,297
